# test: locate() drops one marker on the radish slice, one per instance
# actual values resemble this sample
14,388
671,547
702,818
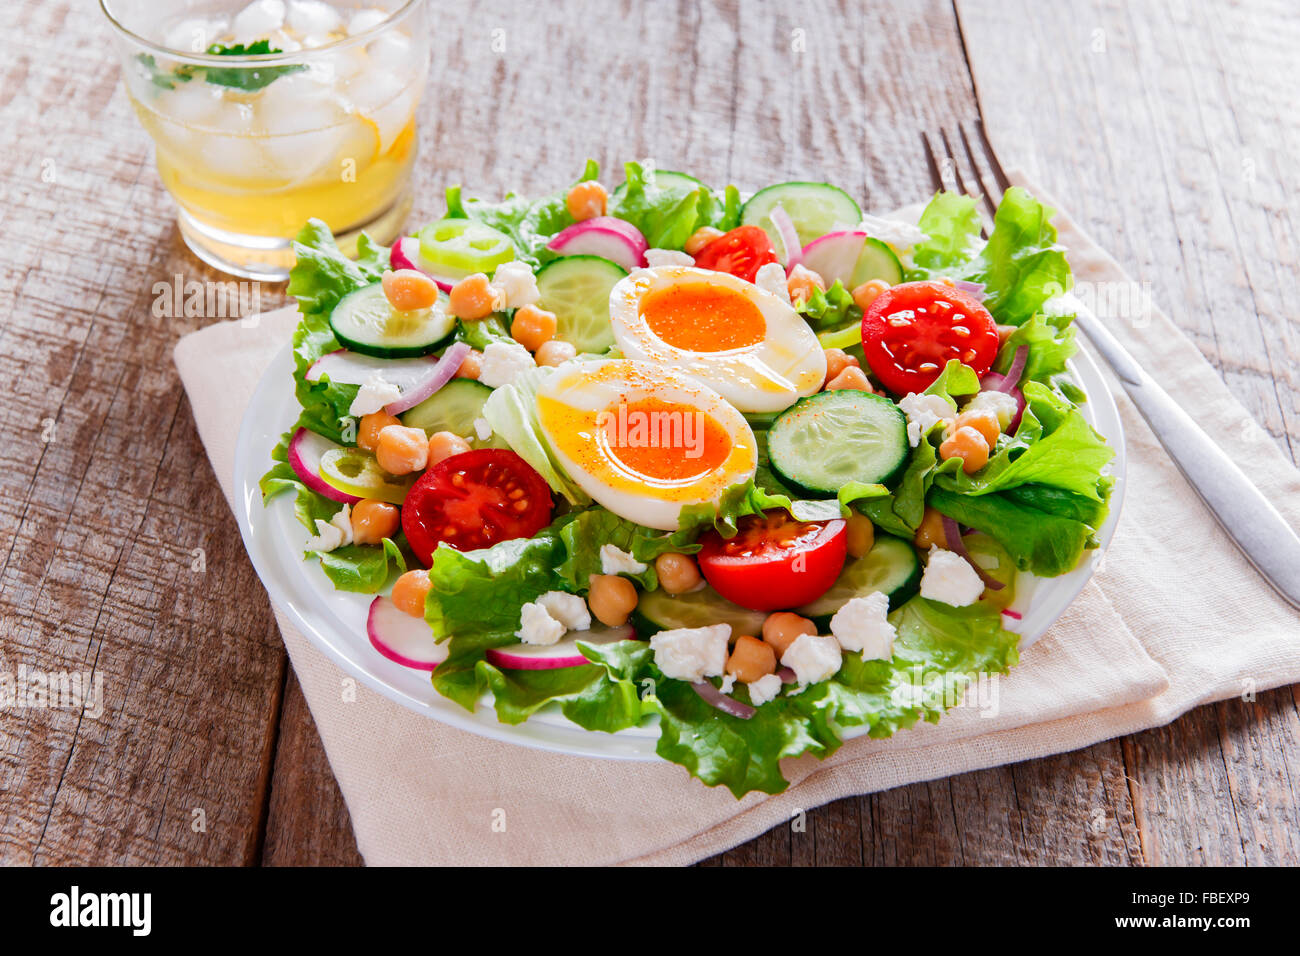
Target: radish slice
791,248
406,255
305,451
720,701
434,378
353,368
604,236
834,256
563,653
952,537
403,638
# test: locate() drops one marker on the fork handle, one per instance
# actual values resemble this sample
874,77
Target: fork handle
1250,519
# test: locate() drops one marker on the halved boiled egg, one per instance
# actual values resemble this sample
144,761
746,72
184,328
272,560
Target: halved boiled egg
644,440
743,342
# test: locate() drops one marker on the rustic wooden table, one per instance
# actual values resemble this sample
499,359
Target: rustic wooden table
1169,128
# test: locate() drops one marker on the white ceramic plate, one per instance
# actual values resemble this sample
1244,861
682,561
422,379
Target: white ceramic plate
334,621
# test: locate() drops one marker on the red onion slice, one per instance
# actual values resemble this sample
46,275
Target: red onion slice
789,237
717,699
786,675
973,289
438,376
1014,615
405,254
952,536
1012,377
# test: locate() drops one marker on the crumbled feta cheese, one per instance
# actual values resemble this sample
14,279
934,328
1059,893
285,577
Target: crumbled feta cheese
334,533
617,561
569,609
482,429
536,626
999,403
667,257
373,396
257,20
364,20
771,278
502,362
923,412
313,17
950,579
895,232
728,684
862,625
692,653
812,658
513,286
764,689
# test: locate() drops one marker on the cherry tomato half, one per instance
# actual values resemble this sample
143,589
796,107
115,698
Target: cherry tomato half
473,500
910,332
774,561
741,252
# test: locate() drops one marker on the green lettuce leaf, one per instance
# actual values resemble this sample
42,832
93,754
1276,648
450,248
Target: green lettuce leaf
953,226
1041,542
668,215
364,568
830,309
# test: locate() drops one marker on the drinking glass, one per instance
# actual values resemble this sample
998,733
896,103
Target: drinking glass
265,114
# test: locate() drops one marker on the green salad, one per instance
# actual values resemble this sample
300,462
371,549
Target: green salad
765,473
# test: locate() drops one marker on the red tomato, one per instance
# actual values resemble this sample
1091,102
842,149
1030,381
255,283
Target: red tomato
740,252
911,331
473,500
774,561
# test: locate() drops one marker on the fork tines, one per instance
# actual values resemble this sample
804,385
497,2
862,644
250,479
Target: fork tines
949,172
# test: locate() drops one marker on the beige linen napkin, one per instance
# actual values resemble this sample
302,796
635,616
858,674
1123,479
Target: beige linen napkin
1175,618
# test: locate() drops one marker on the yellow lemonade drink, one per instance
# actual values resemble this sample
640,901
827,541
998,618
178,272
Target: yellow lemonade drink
314,116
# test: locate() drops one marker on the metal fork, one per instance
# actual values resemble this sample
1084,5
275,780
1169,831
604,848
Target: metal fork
1252,522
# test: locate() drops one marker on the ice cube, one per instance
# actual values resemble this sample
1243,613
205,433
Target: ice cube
284,42
298,103
195,105
258,20
393,50
307,17
364,20
385,99
193,35
339,65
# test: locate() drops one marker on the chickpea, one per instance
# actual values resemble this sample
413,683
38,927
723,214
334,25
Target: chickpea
611,599
408,290
700,238
586,200
866,293
802,282
983,421
678,573
471,298
837,360
967,444
410,590
401,450
555,352
372,425
930,532
751,659
861,534
851,377
472,366
374,520
781,629
445,444
533,327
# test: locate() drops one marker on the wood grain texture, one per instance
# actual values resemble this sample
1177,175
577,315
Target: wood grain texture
1170,133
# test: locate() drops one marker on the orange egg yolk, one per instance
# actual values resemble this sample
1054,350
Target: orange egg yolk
702,317
664,442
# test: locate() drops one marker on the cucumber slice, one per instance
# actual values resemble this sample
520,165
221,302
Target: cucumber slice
814,208
876,261
891,566
576,289
365,322
824,441
451,408
660,611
